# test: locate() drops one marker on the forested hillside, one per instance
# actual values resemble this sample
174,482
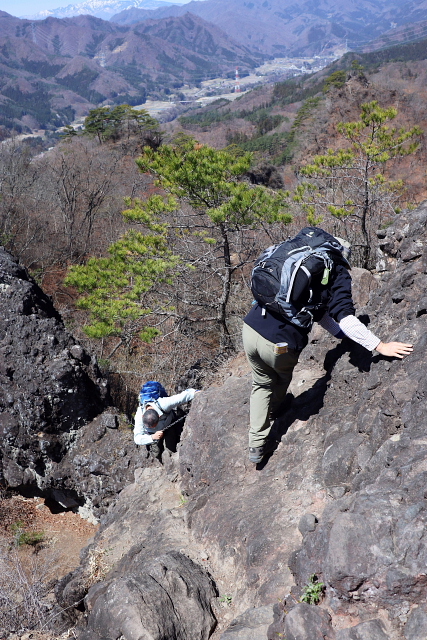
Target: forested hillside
292,120
53,70
283,27
290,127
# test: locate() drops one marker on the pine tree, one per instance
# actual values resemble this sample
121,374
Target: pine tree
349,186
201,228
122,121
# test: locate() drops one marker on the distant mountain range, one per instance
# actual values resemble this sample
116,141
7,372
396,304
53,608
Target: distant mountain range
53,69
100,8
275,27
285,27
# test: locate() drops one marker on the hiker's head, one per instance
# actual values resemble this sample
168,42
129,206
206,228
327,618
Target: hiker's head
346,248
150,419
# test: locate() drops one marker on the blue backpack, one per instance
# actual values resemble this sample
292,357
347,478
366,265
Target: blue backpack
151,390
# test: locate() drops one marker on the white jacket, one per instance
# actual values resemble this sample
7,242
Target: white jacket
163,406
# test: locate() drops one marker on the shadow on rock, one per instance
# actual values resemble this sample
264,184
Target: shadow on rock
311,401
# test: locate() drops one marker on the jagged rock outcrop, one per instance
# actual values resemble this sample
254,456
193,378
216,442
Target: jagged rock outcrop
54,436
342,497
50,386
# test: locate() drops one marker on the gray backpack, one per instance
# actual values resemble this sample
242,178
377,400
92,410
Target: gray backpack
291,278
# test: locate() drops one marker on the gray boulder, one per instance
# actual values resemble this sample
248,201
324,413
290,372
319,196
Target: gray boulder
49,386
253,624
416,625
166,597
370,630
307,622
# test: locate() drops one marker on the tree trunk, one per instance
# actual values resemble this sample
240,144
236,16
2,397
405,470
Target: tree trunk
225,337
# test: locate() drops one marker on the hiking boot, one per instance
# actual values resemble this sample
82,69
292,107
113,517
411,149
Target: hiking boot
256,454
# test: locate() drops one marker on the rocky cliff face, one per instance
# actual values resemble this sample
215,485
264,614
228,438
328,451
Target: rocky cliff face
49,386
206,538
57,435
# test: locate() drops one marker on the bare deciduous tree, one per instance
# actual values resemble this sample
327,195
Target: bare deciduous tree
81,182
26,582
19,175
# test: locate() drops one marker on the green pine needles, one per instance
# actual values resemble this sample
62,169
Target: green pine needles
350,185
197,222
116,289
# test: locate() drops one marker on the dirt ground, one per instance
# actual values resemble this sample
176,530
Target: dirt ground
37,546
66,531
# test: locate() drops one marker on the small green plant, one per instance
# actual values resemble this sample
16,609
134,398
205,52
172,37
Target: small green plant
104,364
182,500
312,592
26,537
226,600
37,274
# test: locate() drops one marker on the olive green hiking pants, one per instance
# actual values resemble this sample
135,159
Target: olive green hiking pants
271,376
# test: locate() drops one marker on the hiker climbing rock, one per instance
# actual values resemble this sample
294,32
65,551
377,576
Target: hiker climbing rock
155,414
296,283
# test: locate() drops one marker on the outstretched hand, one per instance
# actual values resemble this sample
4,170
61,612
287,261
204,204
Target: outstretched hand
394,349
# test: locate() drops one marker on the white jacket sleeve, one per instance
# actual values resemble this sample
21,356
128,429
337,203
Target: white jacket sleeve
331,326
170,402
357,331
351,327
138,434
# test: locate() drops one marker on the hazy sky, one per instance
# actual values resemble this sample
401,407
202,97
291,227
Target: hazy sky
30,7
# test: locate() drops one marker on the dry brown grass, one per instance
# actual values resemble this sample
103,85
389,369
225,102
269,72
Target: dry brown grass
29,572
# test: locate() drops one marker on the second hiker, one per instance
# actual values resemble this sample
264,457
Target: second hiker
155,414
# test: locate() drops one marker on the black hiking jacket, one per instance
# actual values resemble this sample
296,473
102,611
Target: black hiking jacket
338,303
